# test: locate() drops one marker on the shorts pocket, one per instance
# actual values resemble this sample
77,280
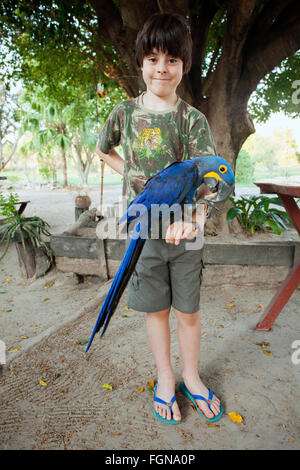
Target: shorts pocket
135,280
202,267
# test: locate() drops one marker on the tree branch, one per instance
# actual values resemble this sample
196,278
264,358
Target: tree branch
280,41
200,23
5,162
109,19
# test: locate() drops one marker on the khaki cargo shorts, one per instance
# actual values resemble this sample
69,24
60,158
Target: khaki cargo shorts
166,275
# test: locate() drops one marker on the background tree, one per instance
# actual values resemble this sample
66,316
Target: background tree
240,46
237,45
48,125
9,135
277,152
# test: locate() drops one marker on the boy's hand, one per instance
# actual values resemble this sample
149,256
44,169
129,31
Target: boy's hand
180,230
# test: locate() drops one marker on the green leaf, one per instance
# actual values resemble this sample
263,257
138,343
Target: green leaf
274,227
232,213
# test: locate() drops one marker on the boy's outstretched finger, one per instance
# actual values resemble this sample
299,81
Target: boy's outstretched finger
189,231
179,235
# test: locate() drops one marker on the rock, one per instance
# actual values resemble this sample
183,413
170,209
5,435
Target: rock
42,262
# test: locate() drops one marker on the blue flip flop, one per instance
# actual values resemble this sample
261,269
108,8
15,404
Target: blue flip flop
170,404
200,397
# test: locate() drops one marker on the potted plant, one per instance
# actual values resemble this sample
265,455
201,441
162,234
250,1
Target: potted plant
26,231
83,201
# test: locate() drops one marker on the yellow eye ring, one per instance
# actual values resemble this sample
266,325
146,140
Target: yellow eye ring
222,169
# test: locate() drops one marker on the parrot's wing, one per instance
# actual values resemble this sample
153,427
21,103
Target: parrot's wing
169,187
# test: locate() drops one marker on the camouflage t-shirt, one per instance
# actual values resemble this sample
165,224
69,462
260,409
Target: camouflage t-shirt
152,140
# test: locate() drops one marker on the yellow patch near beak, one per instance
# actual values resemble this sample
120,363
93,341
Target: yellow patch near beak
212,174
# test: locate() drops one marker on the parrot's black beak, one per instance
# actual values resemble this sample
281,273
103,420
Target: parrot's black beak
219,189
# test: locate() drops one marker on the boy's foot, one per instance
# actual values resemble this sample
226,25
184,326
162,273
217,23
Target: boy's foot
197,387
165,392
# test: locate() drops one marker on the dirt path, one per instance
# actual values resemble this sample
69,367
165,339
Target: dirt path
74,410
52,394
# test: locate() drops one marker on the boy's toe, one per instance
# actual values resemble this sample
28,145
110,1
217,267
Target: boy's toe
176,412
204,408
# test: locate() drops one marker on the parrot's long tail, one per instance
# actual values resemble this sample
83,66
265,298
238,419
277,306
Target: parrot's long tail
118,286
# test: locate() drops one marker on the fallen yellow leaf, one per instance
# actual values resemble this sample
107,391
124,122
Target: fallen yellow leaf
91,298
116,435
7,280
37,324
151,383
45,299
24,337
141,389
44,384
268,353
107,386
50,284
235,417
1,309
261,306
15,350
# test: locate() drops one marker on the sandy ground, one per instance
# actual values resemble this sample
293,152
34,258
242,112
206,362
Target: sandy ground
52,394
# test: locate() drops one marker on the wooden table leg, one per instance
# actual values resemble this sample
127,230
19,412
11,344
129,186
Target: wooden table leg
285,291
292,209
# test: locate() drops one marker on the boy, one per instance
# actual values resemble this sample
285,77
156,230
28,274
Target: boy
155,129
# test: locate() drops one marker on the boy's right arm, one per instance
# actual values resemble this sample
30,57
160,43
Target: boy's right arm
113,160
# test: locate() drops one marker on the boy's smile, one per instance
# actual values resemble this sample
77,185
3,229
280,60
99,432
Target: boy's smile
162,74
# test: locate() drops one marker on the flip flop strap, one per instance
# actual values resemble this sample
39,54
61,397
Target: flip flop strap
169,404
207,400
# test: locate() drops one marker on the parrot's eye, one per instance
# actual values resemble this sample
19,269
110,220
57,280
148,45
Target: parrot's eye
222,169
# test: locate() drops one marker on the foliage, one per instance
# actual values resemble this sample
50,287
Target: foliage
276,90
255,214
277,153
71,129
8,204
244,171
8,126
69,45
15,223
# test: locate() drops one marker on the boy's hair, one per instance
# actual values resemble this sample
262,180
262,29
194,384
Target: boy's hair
166,32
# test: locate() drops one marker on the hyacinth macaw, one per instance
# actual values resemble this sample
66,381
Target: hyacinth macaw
176,184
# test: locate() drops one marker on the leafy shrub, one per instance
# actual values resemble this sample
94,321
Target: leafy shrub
15,223
255,214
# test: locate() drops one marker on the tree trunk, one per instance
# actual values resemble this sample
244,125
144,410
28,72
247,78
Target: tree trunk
64,168
3,163
26,258
82,166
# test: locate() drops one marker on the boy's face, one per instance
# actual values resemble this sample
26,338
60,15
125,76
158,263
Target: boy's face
162,73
